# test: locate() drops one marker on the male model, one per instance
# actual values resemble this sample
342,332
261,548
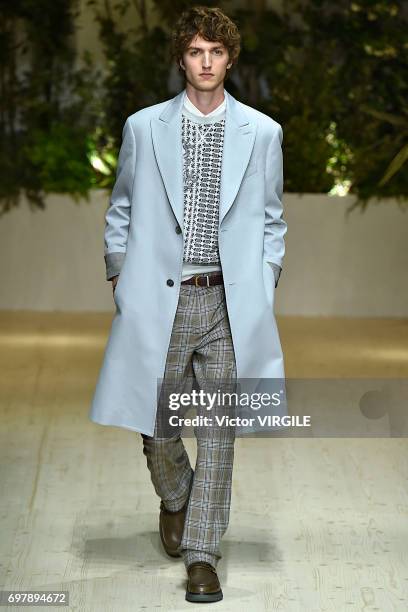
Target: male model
195,228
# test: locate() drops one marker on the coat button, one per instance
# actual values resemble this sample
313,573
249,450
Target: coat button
170,282
178,229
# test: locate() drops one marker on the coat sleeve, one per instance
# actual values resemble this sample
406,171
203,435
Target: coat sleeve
117,216
275,225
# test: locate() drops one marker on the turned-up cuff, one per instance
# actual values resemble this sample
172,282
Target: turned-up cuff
114,263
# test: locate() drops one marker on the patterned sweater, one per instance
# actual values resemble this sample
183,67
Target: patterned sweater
203,140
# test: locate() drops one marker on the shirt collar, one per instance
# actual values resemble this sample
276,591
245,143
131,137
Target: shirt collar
193,109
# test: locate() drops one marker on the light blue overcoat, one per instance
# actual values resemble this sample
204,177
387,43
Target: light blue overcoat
142,221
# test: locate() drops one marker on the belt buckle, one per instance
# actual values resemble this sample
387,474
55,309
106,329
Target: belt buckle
196,280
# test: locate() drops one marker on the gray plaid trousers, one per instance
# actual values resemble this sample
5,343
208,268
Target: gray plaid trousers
200,353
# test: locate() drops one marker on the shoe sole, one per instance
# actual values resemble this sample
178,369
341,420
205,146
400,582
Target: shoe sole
204,597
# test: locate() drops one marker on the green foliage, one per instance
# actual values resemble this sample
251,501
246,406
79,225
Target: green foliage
57,158
49,109
333,74
355,64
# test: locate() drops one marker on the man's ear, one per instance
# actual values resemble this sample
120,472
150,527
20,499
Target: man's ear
181,64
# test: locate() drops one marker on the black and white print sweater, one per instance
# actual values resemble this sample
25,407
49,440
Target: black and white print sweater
202,140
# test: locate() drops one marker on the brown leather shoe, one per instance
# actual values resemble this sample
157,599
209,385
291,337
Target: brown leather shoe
203,584
171,527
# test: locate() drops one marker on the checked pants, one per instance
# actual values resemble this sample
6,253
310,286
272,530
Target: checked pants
200,353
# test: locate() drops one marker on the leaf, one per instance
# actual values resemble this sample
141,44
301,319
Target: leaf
393,119
395,165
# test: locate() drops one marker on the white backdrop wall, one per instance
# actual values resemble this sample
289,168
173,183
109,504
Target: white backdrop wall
52,260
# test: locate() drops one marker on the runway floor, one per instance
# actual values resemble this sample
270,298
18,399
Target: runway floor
316,524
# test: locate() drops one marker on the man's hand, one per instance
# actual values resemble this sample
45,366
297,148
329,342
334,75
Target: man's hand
114,280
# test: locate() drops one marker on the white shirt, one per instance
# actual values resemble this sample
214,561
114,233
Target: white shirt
193,109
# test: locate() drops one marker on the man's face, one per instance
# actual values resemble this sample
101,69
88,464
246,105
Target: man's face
205,63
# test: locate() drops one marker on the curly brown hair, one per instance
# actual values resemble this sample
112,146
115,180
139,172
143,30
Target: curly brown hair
212,24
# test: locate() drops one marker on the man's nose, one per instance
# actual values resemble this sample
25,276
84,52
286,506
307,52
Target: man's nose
206,60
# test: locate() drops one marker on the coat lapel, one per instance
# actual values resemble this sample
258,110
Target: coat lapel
166,137
239,138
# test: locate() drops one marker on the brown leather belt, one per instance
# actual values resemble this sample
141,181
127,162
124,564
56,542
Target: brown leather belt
204,280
